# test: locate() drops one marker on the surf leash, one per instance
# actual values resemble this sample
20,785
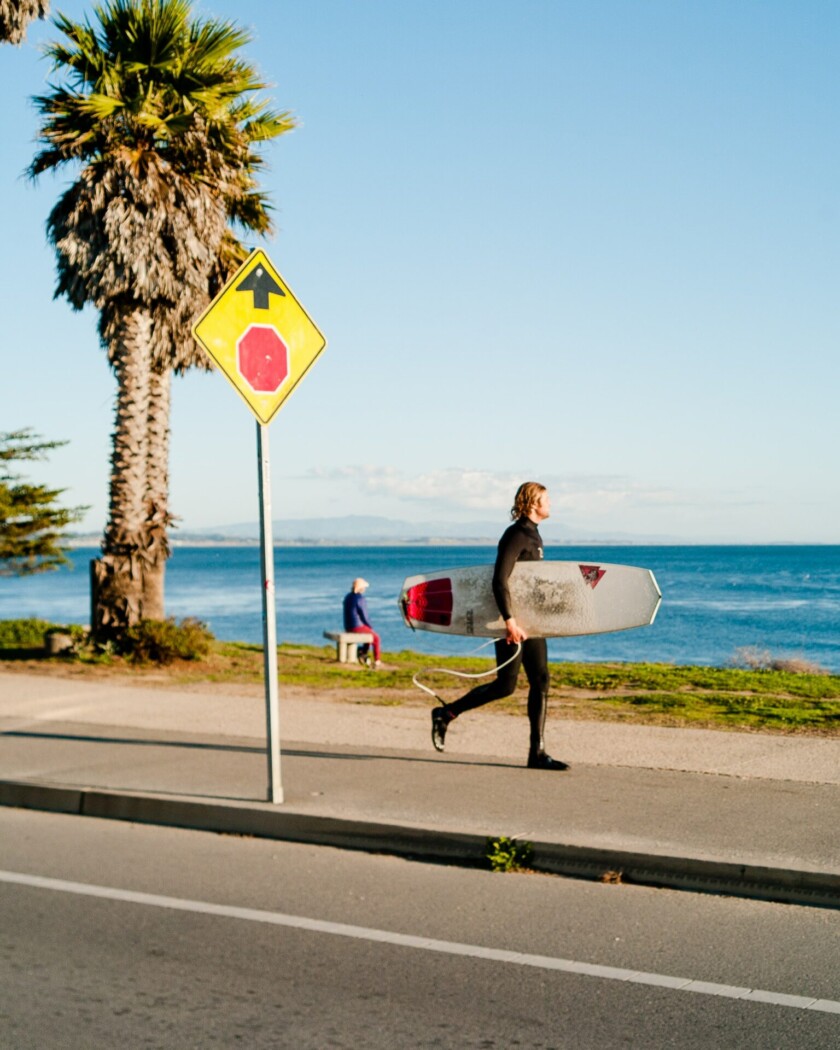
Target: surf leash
464,674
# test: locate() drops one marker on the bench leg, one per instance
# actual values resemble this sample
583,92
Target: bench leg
347,652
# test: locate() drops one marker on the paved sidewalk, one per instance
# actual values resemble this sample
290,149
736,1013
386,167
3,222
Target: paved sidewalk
748,813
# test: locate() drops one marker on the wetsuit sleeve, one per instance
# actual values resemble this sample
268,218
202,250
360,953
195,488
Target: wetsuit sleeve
511,546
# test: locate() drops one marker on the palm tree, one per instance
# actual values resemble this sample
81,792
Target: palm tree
15,16
164,121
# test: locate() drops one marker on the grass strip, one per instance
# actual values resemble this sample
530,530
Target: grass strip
642,693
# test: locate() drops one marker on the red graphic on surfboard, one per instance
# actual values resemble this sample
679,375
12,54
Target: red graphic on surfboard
429,602
593,574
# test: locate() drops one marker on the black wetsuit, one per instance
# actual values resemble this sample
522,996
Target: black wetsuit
520,542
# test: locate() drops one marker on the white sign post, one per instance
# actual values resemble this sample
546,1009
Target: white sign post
264,342
269,616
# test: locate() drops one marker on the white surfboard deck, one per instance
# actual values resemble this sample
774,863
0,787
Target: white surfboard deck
550,599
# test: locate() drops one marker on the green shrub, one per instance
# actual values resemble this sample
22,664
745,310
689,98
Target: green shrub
504,854
162,641
23,634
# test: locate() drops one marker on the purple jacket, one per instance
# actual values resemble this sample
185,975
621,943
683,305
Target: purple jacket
355,611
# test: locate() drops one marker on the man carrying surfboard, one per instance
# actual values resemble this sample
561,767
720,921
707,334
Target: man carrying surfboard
521,541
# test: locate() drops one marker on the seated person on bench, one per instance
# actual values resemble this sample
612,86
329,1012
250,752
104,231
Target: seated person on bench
356,619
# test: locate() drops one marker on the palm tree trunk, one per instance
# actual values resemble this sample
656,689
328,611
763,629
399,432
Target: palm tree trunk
117,577
158,518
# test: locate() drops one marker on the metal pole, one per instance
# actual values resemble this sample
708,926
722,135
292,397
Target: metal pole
272,708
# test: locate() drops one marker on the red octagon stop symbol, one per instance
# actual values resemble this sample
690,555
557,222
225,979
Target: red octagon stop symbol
262,358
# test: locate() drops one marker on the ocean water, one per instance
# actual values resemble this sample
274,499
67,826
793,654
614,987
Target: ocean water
716,600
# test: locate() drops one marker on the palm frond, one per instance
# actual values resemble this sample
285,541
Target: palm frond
166,118
15,16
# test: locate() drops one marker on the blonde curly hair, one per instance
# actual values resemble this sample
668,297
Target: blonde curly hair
527,496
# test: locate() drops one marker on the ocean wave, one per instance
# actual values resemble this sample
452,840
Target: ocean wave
757,605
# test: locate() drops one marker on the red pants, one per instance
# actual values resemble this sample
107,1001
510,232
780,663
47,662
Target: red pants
369,630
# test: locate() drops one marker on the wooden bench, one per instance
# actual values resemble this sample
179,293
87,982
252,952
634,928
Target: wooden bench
347,644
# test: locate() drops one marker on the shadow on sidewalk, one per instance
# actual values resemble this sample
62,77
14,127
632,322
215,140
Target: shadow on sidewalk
256,749
87,739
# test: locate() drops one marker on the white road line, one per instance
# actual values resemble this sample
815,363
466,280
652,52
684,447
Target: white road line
364,933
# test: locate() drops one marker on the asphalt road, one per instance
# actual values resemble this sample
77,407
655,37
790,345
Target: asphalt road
120,935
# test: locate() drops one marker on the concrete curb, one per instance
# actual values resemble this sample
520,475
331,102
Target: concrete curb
262,820
782,885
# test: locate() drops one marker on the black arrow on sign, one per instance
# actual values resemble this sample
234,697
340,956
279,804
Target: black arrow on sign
262,284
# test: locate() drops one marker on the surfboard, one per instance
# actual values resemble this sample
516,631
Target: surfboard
550,599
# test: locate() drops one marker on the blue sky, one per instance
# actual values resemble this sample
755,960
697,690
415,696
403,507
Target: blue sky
593,244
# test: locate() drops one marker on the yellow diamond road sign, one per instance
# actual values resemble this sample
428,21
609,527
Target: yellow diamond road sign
259,335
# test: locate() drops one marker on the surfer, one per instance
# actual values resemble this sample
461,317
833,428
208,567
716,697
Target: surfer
356,619
521,541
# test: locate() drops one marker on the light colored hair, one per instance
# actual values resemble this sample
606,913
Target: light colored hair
527,496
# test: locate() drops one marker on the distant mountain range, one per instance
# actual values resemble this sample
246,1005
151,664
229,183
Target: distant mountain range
362,530
358,530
